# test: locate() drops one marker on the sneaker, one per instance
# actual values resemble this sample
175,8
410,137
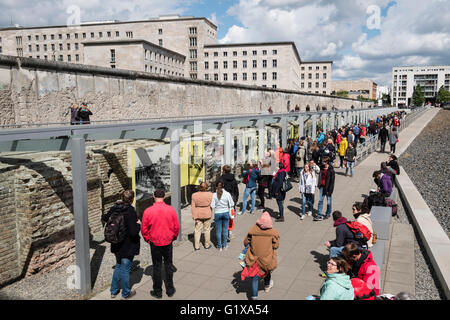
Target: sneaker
241,213
318,219
155,295
281,219
252,212
302,217
220,249
326,217
114,295
197,249
270,286
225,248
171,293
309,213
254,298
132,293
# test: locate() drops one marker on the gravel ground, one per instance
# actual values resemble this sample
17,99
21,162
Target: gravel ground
433,186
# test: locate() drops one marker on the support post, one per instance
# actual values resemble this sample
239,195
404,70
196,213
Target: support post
80,208
314,127
284,132
301,126
228,143
175,174
324,122
261,139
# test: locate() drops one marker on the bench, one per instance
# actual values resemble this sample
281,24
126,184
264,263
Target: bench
381,221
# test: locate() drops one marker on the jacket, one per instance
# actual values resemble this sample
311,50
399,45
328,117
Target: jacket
366,220
321,138
383,134
343,234
130,246
160,224
337,286
385,184
253,177
201,205
393,136
224,204
343,145
307,184
394,165
300,157
263,244
230,184
349,154
286,161
276,185
329,183
367,270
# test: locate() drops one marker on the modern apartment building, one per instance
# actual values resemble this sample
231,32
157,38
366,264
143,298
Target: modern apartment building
269,64
139,55
430,78
183,35
315,77
365,88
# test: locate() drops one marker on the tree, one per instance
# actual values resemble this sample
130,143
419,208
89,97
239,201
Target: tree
443,95
342,93
418,96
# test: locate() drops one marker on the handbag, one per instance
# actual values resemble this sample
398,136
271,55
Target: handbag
286,185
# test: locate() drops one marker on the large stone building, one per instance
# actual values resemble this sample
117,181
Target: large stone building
138,55
183,35
430,78
193,40
316,77
365,88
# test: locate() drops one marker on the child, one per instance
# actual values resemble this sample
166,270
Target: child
242,256
231,225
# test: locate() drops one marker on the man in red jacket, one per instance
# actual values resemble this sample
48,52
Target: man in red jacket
160,227
362,265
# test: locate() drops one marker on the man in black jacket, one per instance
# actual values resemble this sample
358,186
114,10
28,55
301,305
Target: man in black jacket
128,248
382,136
343,235
326,187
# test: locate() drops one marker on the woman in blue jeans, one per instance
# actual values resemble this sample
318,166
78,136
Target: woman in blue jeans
221,203
250,178
126,250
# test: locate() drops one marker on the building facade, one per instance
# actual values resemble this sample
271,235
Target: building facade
183,35
430,78
271,65
138,55
315,77
365,88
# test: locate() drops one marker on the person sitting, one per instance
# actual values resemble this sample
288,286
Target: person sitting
362,265
343,235
337,285
393,164
384,182
362,215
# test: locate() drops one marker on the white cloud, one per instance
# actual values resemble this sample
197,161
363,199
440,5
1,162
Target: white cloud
413,32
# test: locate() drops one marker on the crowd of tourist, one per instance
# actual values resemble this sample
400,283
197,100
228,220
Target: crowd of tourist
312,163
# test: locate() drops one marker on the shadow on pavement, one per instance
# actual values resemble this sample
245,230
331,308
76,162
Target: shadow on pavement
321,259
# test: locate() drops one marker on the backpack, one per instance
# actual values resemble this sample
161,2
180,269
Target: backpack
115,228
362,290
361,232
248,177
375,199
391,203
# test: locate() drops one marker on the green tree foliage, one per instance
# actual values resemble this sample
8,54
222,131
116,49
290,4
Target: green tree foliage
418,96
342,93
443,95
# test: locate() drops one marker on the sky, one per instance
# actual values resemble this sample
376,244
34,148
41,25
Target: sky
364,38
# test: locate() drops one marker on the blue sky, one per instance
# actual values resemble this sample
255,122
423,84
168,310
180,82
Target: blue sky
407,32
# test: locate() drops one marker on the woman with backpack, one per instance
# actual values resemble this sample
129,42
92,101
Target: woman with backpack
278,192
125,245
261,257
222,203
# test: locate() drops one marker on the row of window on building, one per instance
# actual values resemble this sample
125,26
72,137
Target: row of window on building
244,76
128,34
244,64
60,57
154,56
317,68
53,47
244,53
310,76
151,69
317,85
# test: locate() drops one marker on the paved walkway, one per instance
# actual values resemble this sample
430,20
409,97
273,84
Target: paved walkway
302,255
